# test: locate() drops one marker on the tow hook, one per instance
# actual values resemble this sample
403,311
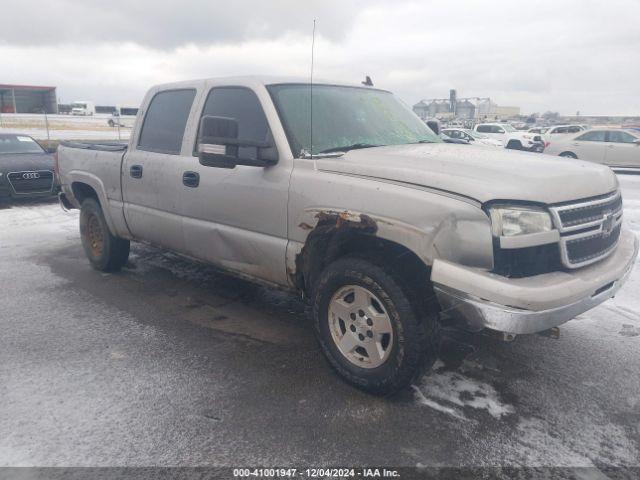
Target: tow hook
508,337
553,332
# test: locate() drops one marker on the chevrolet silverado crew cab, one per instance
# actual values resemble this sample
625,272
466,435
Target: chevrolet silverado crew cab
387,230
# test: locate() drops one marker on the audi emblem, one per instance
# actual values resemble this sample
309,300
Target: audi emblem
30,175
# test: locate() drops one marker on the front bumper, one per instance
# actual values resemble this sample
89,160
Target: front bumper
533,304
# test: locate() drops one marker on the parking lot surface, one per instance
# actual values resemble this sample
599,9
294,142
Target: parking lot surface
171,363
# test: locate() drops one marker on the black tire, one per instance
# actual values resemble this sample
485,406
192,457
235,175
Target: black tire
415,326
105,251
568,155
514,145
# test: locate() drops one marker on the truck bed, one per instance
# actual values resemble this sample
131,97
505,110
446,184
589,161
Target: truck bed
97,164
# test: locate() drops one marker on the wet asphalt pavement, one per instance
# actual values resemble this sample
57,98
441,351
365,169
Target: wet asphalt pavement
171,363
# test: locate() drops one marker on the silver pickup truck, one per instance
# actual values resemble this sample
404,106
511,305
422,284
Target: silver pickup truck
353,201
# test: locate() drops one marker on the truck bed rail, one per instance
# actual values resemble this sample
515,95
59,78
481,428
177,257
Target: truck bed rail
102,146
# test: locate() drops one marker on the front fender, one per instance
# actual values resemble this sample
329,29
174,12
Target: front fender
460,236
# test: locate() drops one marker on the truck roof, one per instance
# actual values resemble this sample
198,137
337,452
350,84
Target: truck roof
253,81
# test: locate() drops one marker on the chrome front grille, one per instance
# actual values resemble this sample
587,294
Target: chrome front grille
589,229
24,183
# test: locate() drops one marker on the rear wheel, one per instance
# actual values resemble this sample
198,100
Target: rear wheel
514,145
568,155
370,330
105,251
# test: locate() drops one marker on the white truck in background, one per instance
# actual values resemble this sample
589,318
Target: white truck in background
510,137
83,108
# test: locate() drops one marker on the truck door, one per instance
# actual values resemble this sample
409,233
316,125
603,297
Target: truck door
152,170
237,218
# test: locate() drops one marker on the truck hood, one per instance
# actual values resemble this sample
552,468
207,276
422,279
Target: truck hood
18,162
481,173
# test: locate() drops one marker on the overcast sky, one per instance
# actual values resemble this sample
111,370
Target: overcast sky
562,55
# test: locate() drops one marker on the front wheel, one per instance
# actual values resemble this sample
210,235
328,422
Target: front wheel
568,155
105,251
374,336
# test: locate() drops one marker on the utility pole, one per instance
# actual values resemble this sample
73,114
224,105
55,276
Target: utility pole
46,123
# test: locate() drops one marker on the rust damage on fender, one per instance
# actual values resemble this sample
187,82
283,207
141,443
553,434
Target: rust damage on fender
344,219
332,232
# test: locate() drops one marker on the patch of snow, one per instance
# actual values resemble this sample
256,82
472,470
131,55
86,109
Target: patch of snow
436,406
449,389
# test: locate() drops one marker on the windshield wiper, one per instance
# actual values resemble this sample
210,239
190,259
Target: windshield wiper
346,148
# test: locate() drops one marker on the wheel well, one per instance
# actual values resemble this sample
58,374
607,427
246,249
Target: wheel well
568,154
82,191
332,239
514,143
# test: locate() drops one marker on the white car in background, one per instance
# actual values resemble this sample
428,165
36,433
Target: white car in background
510,137
547,133
614,147
472,137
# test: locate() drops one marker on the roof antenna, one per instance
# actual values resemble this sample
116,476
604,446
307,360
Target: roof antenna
367,82
313,44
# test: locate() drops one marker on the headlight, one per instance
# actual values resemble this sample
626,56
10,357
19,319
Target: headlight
511,221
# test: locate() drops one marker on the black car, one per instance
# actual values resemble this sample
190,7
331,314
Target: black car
26,169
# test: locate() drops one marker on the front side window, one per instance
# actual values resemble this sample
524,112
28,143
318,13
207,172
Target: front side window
474,135
242,105
621,137
454,133
165,121
345,117
18,144
484,128
593,136
497,129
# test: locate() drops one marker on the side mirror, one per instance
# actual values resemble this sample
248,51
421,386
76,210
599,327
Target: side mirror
434,125
637,142
219,145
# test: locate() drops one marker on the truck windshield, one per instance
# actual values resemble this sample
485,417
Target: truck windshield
345,118
18,144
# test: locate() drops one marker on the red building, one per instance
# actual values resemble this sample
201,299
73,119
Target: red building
28,99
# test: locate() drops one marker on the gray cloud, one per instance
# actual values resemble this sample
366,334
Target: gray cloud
163,25
542,55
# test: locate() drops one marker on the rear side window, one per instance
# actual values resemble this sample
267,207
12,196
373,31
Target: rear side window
165,121
484,128
621,137
242,105
592,136
497,129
